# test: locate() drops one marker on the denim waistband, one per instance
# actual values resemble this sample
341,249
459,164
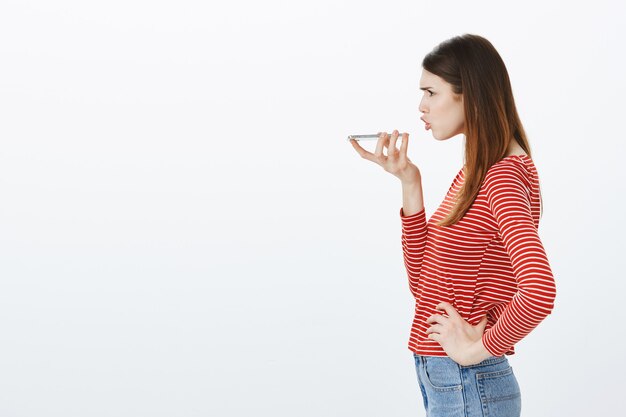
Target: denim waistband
489,361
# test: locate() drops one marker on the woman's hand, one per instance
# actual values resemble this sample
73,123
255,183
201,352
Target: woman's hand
396,161
461,341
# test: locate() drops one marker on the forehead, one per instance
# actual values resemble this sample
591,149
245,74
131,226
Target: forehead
429,79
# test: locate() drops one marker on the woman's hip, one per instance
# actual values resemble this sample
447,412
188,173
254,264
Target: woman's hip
488,388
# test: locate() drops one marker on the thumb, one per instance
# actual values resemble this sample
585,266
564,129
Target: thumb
482,323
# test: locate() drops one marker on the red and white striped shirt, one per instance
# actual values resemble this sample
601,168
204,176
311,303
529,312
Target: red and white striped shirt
491,262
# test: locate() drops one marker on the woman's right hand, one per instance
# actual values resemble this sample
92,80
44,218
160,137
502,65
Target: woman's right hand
396,161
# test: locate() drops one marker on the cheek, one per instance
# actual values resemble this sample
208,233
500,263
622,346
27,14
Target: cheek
449,111
440,106
460,114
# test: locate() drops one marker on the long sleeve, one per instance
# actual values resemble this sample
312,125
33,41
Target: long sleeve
509,199
414,232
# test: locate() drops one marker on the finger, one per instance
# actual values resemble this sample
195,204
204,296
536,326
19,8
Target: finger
436,328
405,144
434,336
449,309
379,145
437,318
392,143
364,154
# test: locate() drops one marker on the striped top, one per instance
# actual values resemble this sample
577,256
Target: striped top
491,262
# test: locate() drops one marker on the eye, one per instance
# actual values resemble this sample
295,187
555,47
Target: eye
431,93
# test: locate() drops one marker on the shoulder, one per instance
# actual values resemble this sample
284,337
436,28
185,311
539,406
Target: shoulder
514,166
515,172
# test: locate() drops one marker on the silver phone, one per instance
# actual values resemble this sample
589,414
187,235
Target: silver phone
373,136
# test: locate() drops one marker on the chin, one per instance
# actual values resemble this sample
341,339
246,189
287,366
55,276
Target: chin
445,136
440,137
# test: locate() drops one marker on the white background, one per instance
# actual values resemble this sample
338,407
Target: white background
184,230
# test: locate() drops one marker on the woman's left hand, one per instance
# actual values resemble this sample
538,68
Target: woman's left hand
461,341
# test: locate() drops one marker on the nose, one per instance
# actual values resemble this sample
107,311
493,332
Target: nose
422,106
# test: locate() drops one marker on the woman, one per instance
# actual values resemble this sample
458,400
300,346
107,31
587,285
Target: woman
477,267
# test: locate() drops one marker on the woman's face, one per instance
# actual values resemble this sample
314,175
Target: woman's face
443,110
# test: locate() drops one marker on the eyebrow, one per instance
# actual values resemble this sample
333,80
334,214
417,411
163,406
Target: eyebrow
424,88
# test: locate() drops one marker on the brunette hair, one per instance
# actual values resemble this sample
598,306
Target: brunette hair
475,70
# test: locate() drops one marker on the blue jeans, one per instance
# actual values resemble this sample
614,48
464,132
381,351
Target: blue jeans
486,389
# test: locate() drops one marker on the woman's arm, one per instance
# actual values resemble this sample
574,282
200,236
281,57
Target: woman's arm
412,197
508,198
414,230
397,162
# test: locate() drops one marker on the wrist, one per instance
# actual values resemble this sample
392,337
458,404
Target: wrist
412,197
480,351
412,183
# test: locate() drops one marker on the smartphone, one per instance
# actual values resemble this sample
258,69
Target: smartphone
373,136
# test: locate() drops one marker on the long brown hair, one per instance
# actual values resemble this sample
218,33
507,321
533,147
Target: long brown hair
476,71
